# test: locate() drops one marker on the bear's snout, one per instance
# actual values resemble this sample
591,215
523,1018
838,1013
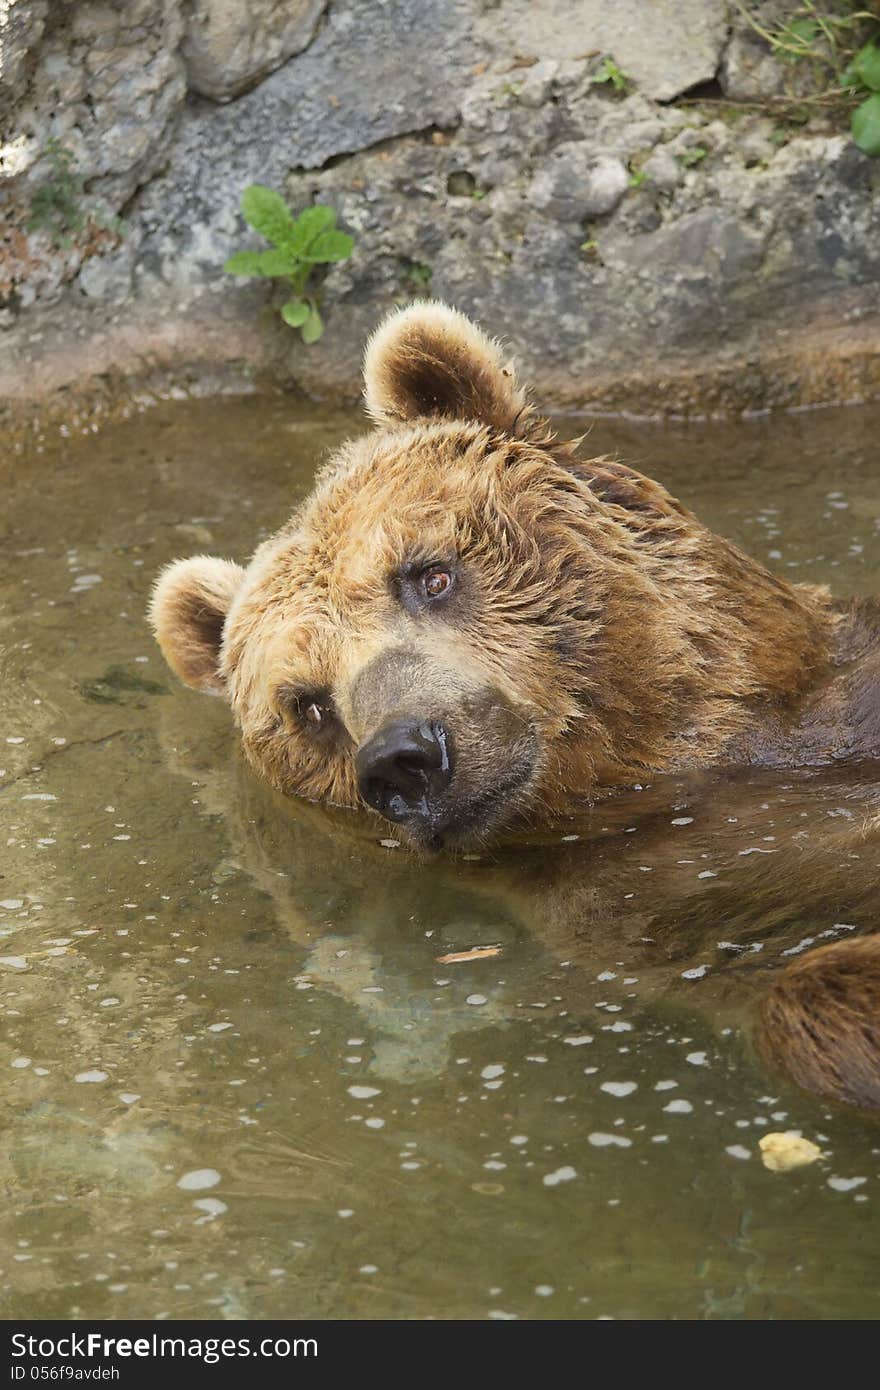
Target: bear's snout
441,753
403,771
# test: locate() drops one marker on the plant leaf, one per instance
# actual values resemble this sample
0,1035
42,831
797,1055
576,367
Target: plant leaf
866,64
850,76
313,326
267,263
295,312
266,211
866,125
803,29
329,246
311,222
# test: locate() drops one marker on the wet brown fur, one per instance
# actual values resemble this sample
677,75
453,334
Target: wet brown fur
613,631
821,1022
629,638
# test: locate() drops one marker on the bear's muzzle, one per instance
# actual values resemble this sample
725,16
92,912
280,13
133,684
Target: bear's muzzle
404,771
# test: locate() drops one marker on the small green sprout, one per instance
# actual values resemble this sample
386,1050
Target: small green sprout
56,206
419,277
693,156
298,245
608,71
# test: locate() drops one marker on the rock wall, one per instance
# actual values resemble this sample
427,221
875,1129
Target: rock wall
676,244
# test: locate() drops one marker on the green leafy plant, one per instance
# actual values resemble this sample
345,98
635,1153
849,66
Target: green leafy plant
608,71
637,178
56,206
695,155
863,74
828,40
814,34
298,245
795,41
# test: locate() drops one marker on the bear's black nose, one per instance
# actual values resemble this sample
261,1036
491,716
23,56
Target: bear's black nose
404,768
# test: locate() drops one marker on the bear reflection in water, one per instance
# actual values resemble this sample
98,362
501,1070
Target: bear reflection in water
466,629
706,895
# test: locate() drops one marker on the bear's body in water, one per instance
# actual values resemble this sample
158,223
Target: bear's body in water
466,629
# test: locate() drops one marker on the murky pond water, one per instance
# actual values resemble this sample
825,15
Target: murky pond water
238,1081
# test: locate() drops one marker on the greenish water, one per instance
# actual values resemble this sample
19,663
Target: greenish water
200,985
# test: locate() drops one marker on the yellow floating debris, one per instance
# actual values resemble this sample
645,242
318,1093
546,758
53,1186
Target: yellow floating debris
783,1151
475,953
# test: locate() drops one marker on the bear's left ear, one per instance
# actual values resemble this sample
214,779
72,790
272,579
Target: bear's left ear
428,360
187,612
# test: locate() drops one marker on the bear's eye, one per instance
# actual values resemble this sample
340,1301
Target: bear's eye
435,583
315,712
419,586
311,709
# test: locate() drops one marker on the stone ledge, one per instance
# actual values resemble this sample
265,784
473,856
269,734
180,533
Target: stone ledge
74,372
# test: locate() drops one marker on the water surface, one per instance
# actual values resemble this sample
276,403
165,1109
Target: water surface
236,1079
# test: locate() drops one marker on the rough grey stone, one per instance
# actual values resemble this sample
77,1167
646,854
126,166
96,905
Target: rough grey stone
728,247
372,72
692,137
748,69
107,83
229,45
662,170
756,145
459,173
21,27
537,83
627,138
109,277
576,183
665,46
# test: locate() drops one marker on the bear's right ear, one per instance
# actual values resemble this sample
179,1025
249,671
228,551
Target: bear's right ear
187,612
428,360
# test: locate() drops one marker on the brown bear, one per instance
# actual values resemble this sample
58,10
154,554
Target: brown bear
466,627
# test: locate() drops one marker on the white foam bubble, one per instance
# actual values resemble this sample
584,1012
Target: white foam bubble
198,1179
